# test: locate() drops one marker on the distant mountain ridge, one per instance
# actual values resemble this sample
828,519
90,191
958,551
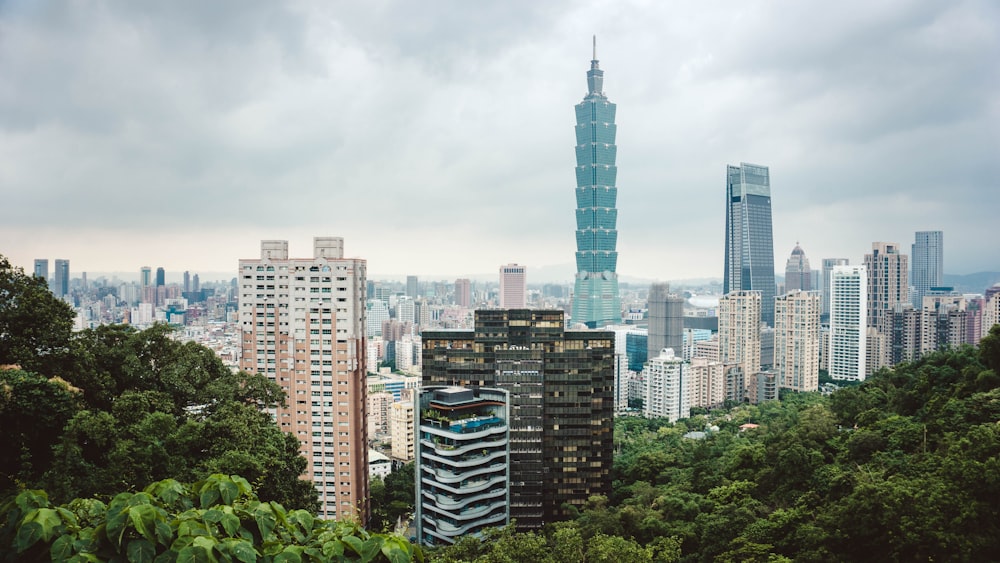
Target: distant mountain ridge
972,283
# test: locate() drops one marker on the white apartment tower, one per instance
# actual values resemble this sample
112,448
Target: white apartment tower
739,331
796,340
513,287
303,324
668,389
848,322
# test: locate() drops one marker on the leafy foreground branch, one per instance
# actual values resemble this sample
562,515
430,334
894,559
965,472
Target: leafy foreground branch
218,519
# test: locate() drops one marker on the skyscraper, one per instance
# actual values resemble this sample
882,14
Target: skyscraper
828,264
561,385
42,268
596,301
667,387
848,321
798,275
887,287
303,323
739,330
796,340
187,281
161,277
666,321
927,255
60,278
749,246
463,292
412,287
145,277
513,287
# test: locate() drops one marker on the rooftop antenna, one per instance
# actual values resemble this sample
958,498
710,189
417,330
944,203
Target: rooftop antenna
595,47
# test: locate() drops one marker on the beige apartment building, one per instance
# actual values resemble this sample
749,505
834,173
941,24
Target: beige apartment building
401,425
796,340
739,331
303,324
888,287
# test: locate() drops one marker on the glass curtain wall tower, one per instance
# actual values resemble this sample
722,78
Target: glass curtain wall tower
595,299
749,244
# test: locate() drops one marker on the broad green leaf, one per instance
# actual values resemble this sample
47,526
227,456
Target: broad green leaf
117,518
231,524
141,551
288,557
49,520
144,517
333,549
209,495
265,521
371,547
27,535
32,499
212,515
164,534
242,551
354,543
62,548
229,491
207,543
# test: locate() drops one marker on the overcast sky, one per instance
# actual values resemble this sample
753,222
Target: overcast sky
437,137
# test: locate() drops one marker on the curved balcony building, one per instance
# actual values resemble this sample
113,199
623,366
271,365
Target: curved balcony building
463,460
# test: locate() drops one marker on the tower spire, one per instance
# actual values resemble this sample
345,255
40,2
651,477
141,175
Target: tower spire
595,76
595,47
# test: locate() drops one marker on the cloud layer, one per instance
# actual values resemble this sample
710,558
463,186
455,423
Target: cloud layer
437,138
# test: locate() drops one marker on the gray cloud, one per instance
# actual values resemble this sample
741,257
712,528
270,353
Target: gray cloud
438,137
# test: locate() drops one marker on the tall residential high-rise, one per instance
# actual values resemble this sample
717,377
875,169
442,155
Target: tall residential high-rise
668,387
161,277
463,292
561,385
798,275
303,323
463,463
828,264
145,277
848,323
195,283
412,287
42,268
749,245
991,310
596,301
888,287
739,330
927,257
187,281
513,287
60,277
406,310
796,340
666,321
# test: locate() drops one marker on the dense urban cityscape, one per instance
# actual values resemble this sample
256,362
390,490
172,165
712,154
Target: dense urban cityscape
495,410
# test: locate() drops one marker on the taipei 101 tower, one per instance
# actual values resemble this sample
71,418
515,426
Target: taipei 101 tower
596,302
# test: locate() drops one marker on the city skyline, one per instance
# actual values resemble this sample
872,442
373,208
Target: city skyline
125,149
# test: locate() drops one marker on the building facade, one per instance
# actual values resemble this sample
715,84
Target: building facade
927,261
561,385
749,244
42,268
666,320
798,274
668,387
796,340
303,325
463,462
60,278
463,293
596,301
828,264
888,287
513,287
848,323
739,330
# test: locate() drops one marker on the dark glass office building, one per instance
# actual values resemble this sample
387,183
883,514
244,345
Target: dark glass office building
561,385
596,302
749,244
